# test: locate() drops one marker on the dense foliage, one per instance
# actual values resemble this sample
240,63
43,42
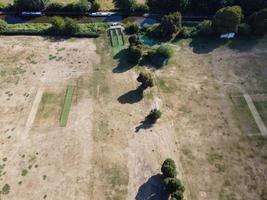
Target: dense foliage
146,80
258,22
165,51
132,28
3,25
134,53
30,5
170,24
168,168
171,184
227,19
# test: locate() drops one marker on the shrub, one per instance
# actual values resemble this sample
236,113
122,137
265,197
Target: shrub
168,168
3,25
30,5
134,40
187,32
177,195
135,53
83,6
154,115
165,51
71,26
2,6
95,6
146,80
258,22
227,19
244,29
132,28
55,7
171,24
58,24
205,28
152,30
171,185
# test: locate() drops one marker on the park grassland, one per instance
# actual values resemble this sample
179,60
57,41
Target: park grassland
66,106
99,144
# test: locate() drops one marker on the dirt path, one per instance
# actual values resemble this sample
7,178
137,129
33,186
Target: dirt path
34,110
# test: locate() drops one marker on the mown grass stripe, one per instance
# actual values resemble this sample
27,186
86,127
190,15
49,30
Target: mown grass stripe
66,106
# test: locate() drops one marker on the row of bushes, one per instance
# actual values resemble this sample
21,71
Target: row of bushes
228,19
58,26
81,6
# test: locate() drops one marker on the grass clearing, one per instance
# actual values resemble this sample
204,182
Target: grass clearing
66,106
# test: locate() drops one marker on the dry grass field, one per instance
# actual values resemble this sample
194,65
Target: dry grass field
105,151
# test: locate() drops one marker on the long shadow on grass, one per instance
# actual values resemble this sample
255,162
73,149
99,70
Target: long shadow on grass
123,64
132,96
243,43
152,189
203,45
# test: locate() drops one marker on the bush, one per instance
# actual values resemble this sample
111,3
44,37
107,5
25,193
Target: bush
168,168
30,5
165,51
135,53
171,24
177,195
2,6
187,32
152,30
244,29
95,6
227,19
154,115
172,185
205,28
58,24
71,26
55,7
134,40
132,28
258,22
146,80
3,25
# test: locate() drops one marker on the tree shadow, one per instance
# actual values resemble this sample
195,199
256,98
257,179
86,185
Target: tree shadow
152,189
147,123
243,43
155,62
203,45
123,64
132,96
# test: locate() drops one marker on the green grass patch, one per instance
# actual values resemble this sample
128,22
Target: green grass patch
66,106
117,41
262,109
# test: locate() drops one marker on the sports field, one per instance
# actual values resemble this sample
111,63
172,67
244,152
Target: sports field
117,40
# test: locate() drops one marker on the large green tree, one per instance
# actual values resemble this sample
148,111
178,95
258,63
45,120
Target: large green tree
171,24
30,5
227,19
250,6
168,168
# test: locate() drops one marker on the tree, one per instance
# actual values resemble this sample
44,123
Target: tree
227,19
209,6
3,25
258,22
177,195
71,26
146,80
132,28
168,168
205,28
171,185
31,5
58,24
244,29
126,4
169,5
83,5
135,53
171,24
134,40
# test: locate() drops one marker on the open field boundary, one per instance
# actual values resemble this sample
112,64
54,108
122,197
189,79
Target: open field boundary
66,106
